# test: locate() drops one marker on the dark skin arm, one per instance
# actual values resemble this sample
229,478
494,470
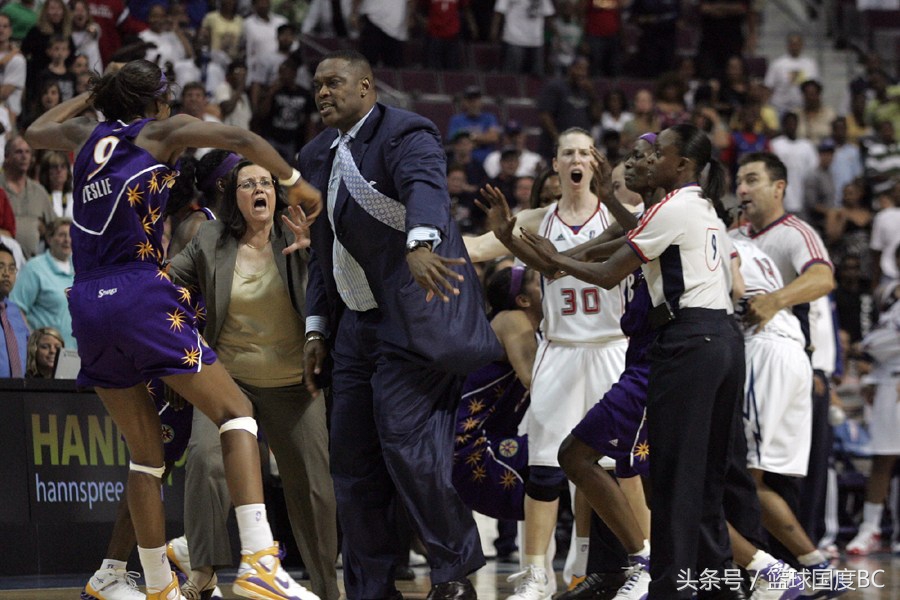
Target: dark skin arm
606,275
502,223
433,273
61,129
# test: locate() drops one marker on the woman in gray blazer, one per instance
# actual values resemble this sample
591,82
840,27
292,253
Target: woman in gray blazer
250,267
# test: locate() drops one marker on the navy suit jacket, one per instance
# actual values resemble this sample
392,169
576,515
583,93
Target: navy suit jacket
401,154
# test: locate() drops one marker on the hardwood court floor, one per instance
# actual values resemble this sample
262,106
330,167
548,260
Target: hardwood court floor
490,582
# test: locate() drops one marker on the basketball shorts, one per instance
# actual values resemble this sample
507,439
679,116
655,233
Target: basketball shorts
616,426
133,324
777,405
884,425
568,380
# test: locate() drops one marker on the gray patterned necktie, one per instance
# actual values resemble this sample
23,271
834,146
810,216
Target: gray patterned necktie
386,210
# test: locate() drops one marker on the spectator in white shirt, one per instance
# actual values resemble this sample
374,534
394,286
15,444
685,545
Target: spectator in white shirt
787,72
12,70
167,42
232,98
260,38
801,159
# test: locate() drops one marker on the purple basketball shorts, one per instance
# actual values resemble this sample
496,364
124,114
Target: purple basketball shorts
133,324
615,426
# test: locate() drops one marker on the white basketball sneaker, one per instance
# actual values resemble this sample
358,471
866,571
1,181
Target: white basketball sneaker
778,581
635,587
112,584
531,584
867,541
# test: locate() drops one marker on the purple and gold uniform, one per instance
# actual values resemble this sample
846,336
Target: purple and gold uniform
490,458
177,424
616,426
130,321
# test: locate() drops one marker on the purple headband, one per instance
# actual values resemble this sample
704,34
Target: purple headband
650,138
515,283
163,82
227,164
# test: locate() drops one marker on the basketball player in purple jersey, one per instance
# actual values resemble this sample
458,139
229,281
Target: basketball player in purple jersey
133,324
490,459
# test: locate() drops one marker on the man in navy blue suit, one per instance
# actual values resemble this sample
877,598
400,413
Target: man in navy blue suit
394,296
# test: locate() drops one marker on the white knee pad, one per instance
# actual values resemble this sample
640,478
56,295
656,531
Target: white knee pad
246,423
154,471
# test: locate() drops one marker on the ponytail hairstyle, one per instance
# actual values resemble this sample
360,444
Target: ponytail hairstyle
694,144
128,93
502,289
182,192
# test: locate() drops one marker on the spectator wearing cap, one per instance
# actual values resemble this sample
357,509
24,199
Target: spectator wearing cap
568,102
482,125
505,181
523,26
818,189
814,118
529,162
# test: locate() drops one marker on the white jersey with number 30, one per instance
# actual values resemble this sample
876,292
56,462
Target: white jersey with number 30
575,311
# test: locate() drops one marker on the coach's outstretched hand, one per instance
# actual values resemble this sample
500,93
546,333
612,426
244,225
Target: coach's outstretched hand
433,273
299,225
307,197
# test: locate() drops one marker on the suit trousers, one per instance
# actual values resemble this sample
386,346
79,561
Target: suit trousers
392,427
294,426
696,382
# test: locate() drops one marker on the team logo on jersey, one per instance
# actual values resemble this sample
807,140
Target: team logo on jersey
509,448
560,238
614,443
713,248
168,434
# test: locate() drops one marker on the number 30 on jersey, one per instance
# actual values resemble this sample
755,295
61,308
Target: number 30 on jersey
587,301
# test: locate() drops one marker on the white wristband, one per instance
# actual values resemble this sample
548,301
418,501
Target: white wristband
294,178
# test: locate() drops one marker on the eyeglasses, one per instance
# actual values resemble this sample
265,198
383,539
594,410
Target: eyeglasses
11,269
250,184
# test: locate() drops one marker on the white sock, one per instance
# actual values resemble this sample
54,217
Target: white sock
582,548
538,560
644,552
115,565
760,561
157,573
812,559
872,516
254,529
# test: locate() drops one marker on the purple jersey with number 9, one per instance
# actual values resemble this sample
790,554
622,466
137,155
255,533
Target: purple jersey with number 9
120,194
